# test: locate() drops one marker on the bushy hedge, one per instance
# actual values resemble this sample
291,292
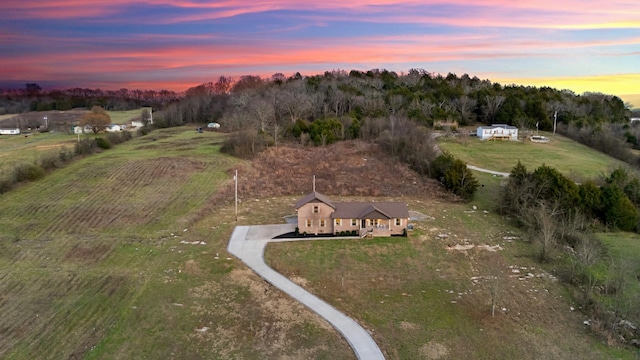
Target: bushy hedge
28,172
103,143
454,175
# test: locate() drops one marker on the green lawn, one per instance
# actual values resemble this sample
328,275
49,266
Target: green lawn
16,149
123,117
121,255
625,247
422,300
569,157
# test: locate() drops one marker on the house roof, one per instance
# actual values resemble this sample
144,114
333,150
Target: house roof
314,196
497,126
370,210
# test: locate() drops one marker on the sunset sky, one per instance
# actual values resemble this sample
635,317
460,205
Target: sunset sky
170,44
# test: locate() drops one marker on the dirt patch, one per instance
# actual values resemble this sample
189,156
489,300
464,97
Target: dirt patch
433,351
405,325
348,168
192,268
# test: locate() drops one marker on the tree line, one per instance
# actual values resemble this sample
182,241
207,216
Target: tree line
33,98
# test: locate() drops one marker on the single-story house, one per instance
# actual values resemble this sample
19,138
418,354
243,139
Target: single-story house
82,129
498,132
113,128
15,131
317,214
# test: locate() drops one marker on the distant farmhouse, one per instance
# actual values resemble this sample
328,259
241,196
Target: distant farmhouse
113,128
15,131
87,129
498,132
317,214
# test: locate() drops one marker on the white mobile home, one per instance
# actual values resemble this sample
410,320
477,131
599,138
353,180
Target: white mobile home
15,131
498,132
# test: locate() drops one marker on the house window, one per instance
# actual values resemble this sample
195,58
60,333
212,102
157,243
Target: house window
308,222
321,223
354,222
338,222
316,209
398,222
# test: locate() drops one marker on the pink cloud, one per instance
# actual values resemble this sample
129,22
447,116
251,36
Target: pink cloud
571,14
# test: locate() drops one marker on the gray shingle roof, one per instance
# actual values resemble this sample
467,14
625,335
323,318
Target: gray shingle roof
314,196
370,210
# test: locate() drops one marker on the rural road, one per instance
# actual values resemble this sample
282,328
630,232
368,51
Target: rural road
248,243
472,167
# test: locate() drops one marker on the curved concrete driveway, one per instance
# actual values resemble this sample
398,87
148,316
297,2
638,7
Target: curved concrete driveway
248,243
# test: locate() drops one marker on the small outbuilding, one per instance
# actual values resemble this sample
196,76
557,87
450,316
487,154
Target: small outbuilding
498,132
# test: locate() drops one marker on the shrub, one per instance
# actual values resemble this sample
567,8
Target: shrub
144,130
49,161
455,176
244,144
65,155
28,172
103,143
6,185
118,138
85,147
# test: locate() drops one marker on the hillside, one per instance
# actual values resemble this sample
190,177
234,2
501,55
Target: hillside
122,255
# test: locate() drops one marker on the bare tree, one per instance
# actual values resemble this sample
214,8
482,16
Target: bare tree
97,118
494,282
546,228
492,105
464,107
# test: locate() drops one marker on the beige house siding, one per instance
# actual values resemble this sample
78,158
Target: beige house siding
306,212
317,214
345,225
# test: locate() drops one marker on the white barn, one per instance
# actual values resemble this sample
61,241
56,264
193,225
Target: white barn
498,132
15,131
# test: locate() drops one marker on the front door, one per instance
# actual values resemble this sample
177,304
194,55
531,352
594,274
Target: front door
362,224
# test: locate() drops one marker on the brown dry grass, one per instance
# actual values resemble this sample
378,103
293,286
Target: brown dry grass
349,168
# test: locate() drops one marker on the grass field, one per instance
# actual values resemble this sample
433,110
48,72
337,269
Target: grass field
62,120
625,248
123,117
122,255
423,299
17,149
569,157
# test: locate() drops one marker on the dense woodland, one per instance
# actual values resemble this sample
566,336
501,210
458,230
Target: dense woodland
33,98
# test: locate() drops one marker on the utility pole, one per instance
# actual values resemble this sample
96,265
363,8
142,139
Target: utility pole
235,177
314,183
555,119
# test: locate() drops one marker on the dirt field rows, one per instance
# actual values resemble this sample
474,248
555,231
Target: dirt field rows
114,256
